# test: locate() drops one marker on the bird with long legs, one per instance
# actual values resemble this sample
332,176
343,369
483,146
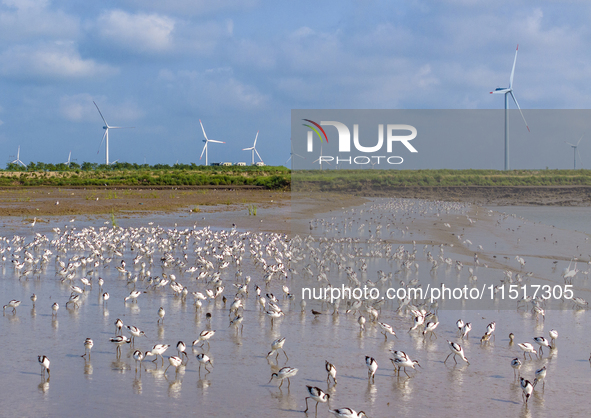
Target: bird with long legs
276,346
284,373
204,360
332,372
527,348
456,350
372,367
527,389
88,344
44,362
317,395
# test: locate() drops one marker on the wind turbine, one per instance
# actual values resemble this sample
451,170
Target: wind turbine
106,135
506,91
18,160
253,149
69,156
207,141
319,160
575,152
292,153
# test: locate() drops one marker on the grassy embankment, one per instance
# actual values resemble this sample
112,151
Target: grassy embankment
129,175
363,180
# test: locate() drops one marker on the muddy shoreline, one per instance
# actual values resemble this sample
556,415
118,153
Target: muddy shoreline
57,201
493,196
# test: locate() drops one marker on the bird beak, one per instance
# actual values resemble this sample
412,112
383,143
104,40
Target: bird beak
270,380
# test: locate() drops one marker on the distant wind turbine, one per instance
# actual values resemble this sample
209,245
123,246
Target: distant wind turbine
207,141
69,159
575,152
106,135
254,149
292,153
319,160
506,91
18,160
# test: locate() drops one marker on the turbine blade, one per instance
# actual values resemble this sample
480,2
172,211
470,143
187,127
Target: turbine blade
513,69
579,154
255,150
121,127
255,139
569,143
205,146
288,159
217,142
102,117
499,91
203,129
247,149
515,100
103,140
298,155
580,140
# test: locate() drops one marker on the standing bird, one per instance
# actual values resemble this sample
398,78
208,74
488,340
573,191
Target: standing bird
12,304
372,366
430,328
318,395
138,356
44,362
332,372
135,332
456,350
105,298
276,346
118,326
181,347
156,351
553,336
527,389
161,313
204,336
540,375
133,295
516,364
542,342
55,307
175,362
527,348
88,343
204,360
361,322
119,341
466,330
284,373
33,299
387,329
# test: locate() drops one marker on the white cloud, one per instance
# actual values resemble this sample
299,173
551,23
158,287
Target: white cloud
143,32
80,108
216,87
194,7
54,60
29,19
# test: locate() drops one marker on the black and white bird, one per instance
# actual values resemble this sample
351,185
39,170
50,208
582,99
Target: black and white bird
456,350
527,389
284,373
318,395
372,366
44,362
332,372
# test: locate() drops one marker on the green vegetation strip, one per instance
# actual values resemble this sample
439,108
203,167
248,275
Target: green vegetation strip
270,177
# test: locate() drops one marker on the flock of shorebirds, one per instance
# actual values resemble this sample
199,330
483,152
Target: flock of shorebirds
200,263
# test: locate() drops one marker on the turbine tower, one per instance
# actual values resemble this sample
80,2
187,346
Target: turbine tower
106,135
319,160
291,154
509,91
253,149
575,152
207,141
18,160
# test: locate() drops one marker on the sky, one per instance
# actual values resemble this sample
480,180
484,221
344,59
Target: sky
241,66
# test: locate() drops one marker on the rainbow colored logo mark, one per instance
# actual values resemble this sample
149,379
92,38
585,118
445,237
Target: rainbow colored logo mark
316,130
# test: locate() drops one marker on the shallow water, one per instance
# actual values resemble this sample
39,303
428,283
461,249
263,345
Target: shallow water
238,383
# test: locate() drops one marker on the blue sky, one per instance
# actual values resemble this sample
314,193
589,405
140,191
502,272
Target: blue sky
241,66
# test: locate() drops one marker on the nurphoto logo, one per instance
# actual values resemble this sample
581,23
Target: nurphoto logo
366,154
